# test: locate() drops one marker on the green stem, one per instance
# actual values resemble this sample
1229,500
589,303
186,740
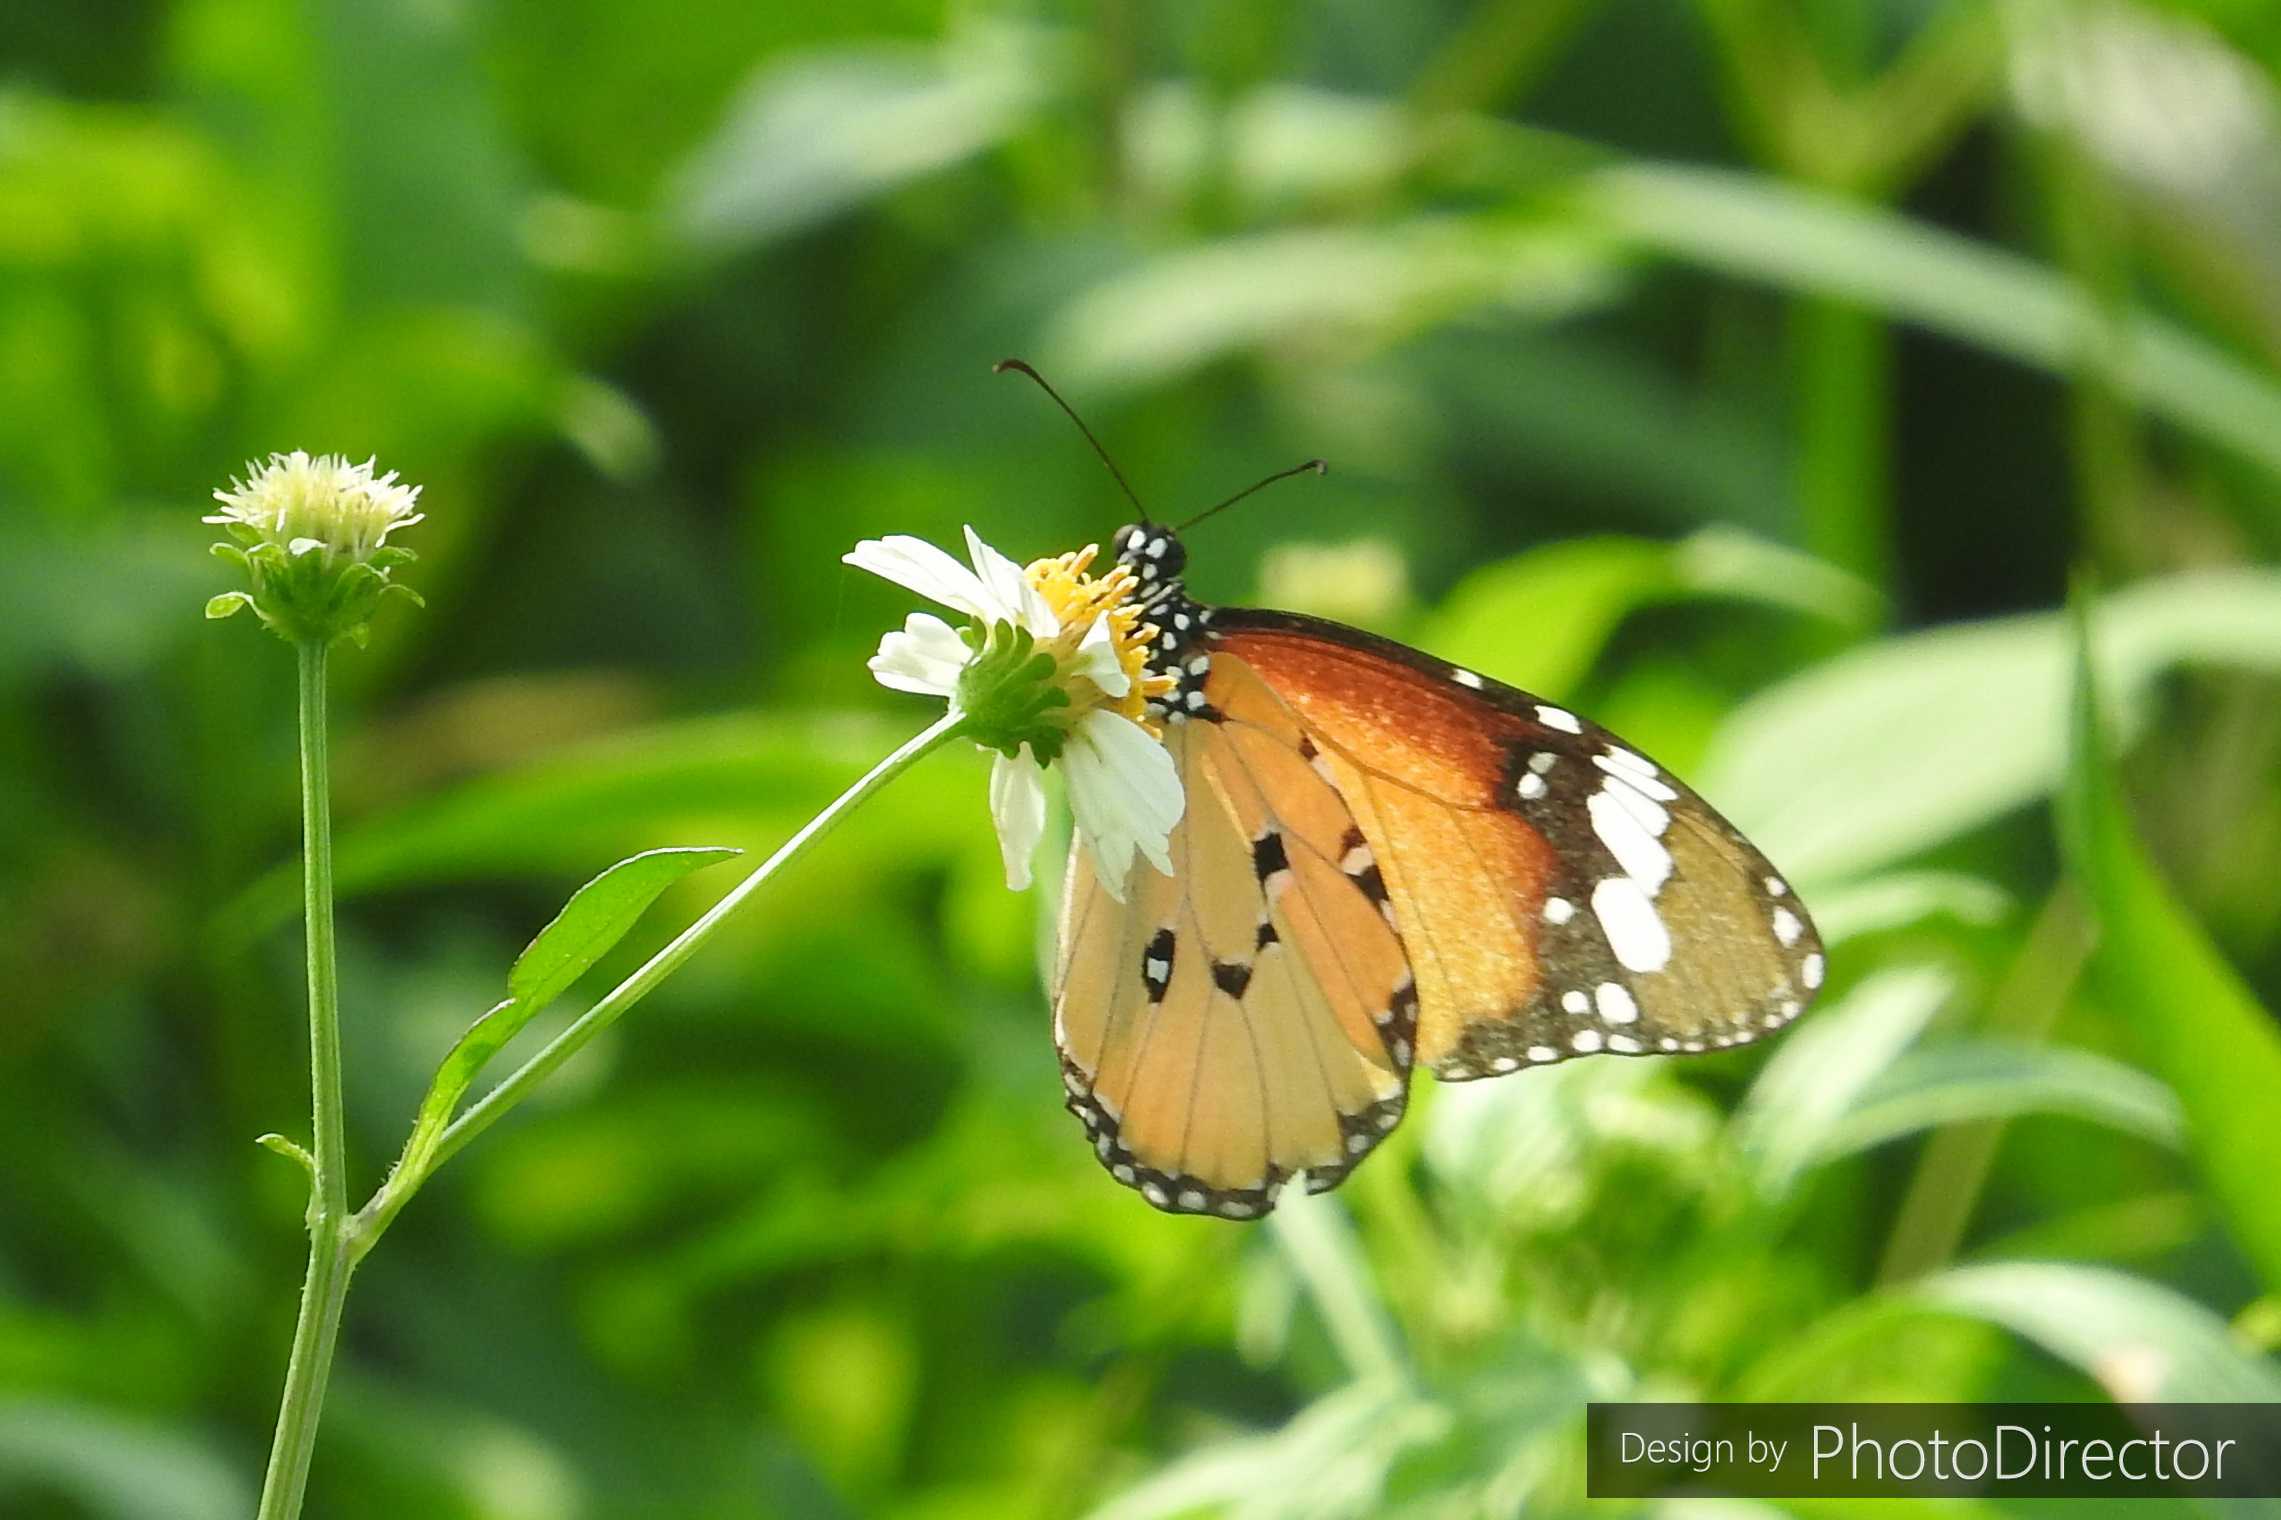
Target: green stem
1842,358
325,1289
1936,1210
487,1111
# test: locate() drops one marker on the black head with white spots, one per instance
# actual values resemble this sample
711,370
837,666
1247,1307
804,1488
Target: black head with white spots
1153,552
1181,648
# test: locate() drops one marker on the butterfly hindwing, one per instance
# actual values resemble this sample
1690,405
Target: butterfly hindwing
1559,894
1245,1018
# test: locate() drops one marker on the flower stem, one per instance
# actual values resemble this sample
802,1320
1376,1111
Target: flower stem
488,1110
330,1263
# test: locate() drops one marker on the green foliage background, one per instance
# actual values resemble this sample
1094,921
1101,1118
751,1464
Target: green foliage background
1752,374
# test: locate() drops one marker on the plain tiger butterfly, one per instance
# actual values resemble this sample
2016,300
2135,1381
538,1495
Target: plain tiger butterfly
1386,862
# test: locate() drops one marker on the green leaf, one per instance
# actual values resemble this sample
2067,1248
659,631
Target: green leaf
1319,1240
1371,284
2138,1339
1333,1460
1756,228
1542,618
596,918
1993,1079
114,1466
818,134
1889,750
1818,1073
1902,899
2203,1029
751,779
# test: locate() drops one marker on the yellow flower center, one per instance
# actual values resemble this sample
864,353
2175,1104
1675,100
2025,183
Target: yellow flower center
1077,599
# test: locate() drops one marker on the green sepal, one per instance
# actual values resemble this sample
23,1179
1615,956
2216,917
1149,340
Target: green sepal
315,596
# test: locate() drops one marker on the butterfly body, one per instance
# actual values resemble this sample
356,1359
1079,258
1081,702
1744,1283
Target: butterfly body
1386,861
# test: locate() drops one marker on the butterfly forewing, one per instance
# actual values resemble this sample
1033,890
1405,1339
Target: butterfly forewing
1558,893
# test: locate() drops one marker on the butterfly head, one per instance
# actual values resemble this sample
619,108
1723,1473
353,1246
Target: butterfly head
1153,552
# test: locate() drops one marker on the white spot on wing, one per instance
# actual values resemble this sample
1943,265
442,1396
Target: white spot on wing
1560,718
1811,971
1466,678
1635,930
1585,1041
1635,802
1616,1005
1558,910
1638,765
1786,926
1628,839
1643,781
1574,1000
1530,786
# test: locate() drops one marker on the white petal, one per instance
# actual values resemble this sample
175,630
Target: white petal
1017,806
1125,791
926,657
920,566
1097,660
1018,599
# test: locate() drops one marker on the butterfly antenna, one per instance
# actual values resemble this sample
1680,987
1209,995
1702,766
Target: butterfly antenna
1021,367
1311,467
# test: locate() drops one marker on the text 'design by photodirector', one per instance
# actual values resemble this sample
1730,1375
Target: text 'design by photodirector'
1919,1450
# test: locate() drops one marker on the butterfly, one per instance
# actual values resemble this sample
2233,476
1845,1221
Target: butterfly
1386,862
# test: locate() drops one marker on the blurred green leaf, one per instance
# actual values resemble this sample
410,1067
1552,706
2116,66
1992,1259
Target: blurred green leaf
115,1467
1757,228
1963,1080
1332,1460
2203,1029
1898,899
1545,616
1317,1236
1889,750
757,776
1822,1069
1320,287
2141,1341
814,135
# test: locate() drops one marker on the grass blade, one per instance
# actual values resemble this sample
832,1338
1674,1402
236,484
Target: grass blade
2203,1030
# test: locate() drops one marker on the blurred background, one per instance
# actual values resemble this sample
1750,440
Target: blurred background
1750,374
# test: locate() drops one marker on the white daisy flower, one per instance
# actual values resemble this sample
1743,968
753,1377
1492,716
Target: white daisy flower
1053,671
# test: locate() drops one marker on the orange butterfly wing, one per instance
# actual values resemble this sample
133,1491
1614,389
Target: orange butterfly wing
1250,1016
1558,893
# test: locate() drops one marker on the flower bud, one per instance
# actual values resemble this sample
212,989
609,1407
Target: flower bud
312,536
